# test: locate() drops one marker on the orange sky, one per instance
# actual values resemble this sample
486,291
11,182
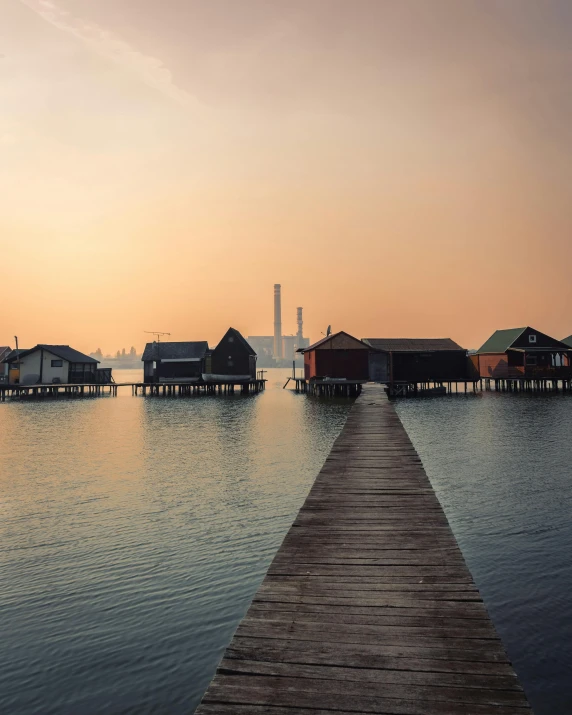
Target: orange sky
401,168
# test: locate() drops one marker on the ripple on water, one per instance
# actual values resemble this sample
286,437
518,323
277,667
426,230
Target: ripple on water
500,464
133,535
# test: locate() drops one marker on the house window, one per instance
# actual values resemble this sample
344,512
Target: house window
57,363
531,360
532,338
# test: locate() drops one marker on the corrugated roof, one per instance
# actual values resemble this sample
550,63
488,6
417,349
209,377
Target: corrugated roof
501,340
412,345
62,351
568,340
194,350
5,350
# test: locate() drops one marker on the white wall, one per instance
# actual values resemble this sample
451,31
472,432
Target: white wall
49,372
30,368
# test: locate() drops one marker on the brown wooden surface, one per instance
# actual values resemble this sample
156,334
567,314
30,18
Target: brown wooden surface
368,606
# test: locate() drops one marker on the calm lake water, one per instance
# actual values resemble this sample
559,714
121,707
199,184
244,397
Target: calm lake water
134,532
502,468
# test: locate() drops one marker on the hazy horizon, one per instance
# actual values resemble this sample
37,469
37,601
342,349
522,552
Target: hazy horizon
401,168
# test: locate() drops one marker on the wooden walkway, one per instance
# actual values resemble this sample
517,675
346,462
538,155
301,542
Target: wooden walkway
368,606
166,389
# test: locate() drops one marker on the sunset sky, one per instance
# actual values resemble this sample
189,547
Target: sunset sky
402,168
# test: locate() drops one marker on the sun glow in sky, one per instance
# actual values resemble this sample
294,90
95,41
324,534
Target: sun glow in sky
401,167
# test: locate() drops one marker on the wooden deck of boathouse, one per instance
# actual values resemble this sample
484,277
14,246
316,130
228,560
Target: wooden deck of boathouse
368,606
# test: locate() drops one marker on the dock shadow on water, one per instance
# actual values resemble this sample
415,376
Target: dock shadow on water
500,465
133,534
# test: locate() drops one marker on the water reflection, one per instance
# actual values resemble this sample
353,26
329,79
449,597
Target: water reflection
135,531
500,464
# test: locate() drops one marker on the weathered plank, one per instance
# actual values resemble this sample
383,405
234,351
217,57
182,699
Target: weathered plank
368,605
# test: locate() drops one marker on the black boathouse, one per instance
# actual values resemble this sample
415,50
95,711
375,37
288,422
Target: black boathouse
174,362
232,361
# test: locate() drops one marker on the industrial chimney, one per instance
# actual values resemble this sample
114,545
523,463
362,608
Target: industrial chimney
277,322
300,333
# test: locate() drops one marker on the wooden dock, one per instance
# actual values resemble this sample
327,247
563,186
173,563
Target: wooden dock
368,606
156,389
88,389
327,388
187,389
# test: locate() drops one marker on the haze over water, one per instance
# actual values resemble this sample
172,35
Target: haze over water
134,532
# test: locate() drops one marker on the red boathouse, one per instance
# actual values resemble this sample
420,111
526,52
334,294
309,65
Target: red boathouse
337,357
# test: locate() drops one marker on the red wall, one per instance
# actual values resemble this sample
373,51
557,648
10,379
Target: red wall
349,364
310,364
495,366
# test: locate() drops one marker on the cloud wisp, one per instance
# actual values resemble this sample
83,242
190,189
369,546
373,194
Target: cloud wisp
149,70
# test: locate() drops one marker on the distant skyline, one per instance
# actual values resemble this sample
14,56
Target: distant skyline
400,167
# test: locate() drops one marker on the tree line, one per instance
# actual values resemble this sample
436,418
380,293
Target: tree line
119,355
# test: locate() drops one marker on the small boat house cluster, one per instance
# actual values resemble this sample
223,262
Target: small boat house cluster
341,356
409,365
232,361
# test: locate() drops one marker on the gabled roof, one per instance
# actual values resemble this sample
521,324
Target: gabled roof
14,354
568,341
5,350
237,335
413,345
62,351
501,340
194,350
331,338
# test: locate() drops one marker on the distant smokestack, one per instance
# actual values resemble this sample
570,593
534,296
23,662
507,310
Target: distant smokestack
277,321
300,322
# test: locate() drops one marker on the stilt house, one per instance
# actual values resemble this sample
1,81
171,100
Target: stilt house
523,353
233,360
55,364
337,357
4,367
417,360
174,361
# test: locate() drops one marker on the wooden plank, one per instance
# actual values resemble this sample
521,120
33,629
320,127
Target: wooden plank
305,679
485,686
286,692
368,605
453,626
361,634
378,656
441,610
